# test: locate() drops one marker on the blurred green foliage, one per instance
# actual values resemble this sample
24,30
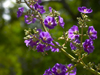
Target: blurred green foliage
17,59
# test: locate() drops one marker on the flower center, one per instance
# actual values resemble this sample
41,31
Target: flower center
84,10
58,71
90,33
75,32
49,23
38,9
41,47
44,38
86,46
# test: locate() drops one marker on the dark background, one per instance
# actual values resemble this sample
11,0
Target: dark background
17,59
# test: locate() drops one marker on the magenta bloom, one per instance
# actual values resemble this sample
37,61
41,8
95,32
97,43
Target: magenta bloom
72,46
84,10
30,42
48,72
59,69
45,36
20,11
61,22
50,22
39,8
88,46
72,72
72,32
40,47
92,33
54,49
29,21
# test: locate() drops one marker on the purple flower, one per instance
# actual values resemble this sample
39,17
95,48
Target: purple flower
88,46
73,46
92,33
39,30
84,10
32,20
54,49
72,72
47,48
59,69
50,9
61,22
20,11
39,1
30,42
40,47
50,22
48,72
39,8
72,32
45,36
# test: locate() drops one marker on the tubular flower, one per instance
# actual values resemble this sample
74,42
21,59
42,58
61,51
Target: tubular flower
39,8
72,32
92,33
84,10
20,11
88,46
61,22
50,9
50,22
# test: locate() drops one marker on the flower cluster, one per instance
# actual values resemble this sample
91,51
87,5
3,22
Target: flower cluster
30,17
54,19
42,41
50,21
59,69
88,44
73,34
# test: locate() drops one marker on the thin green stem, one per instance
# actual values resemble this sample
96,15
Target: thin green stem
90,69
81,35
66,53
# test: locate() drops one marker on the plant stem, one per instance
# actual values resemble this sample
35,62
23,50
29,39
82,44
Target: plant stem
90,69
